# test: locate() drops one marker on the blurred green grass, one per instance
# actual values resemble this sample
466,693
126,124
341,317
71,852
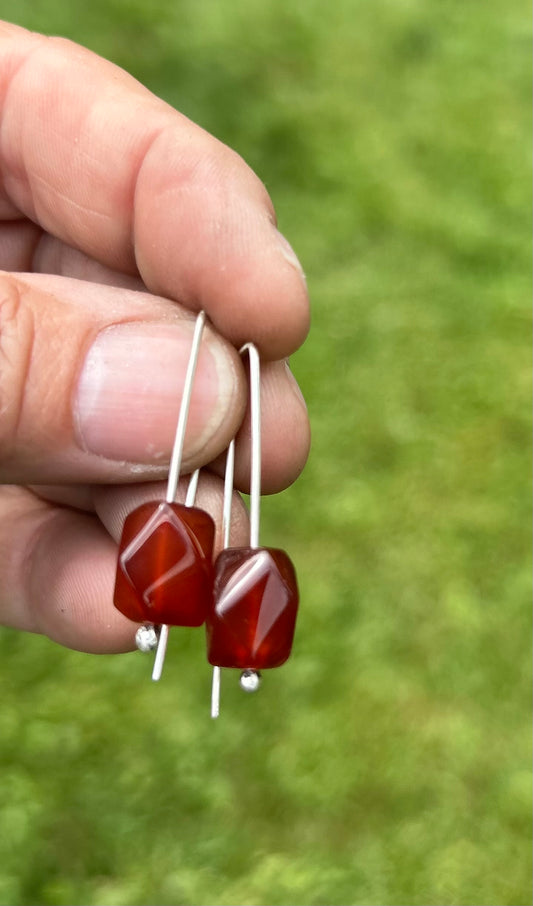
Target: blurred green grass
389,761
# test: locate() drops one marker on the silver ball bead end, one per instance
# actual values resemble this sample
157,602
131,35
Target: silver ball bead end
250,680
146,638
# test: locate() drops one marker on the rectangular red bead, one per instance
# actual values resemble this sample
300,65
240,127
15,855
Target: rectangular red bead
251,622
164,570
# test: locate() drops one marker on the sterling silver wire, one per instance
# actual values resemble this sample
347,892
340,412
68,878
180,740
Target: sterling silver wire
255,494
175,467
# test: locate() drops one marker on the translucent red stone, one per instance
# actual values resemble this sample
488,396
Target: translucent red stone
164,569
252,620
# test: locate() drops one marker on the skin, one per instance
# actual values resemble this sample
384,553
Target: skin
119,220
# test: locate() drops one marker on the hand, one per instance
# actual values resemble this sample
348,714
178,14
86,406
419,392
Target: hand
119,219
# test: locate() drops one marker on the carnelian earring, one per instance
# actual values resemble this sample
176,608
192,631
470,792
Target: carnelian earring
164,571
251,620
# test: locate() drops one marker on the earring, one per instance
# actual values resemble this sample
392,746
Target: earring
250,623
164,571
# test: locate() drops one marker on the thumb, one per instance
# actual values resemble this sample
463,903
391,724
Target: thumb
91,379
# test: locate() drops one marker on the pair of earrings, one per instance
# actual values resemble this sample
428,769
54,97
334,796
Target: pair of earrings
247,597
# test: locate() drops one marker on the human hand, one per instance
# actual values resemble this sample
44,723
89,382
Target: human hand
119,219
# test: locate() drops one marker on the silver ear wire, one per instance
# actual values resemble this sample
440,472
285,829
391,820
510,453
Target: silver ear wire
255,466
177,449
250,679
175,467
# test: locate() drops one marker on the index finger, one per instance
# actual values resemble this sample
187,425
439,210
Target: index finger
98,161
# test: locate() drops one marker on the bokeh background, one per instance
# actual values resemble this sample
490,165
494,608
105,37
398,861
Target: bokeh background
389,761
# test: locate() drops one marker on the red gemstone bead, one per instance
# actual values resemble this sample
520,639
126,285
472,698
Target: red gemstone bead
165,570
251,622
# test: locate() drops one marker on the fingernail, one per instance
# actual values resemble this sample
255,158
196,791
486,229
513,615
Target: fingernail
289,254
130,388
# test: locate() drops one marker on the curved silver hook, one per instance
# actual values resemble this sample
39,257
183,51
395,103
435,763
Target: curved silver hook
255,483
255,464
175,467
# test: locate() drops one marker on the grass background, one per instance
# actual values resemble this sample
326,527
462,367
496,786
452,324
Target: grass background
389,761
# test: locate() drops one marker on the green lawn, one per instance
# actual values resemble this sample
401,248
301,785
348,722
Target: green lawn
389,762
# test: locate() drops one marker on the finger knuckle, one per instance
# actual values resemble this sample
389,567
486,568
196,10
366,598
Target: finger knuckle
16,345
